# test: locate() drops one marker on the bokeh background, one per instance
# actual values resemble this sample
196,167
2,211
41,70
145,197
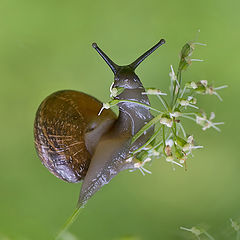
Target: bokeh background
46,46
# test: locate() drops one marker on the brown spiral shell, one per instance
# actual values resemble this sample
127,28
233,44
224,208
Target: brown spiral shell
62,121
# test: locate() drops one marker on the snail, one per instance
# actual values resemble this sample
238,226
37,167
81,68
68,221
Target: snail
76,143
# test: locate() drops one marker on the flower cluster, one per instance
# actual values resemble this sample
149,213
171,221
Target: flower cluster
201,233
202,87
197,232
170,139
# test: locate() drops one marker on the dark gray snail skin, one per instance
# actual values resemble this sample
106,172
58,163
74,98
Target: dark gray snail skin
107,142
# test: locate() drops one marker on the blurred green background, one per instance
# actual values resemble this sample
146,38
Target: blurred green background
46,46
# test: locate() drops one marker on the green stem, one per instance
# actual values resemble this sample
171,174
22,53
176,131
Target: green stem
148,142
174,128
179,78
183,91
146,127
164,140
209,236
183,131
157,146
163,101
174,90
189,118
69,222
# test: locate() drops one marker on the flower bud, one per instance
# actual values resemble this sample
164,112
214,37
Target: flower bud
191,85
190,139
204,83
179,154
169,159
235,225
186,147
186,50
114,92
169,142
176,114
180,141
166,121
168,150
192,100
182,160
196,231
106,105
183,102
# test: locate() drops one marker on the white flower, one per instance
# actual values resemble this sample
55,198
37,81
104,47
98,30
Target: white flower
193,85
139,165
235,225
154,153
170,159
204,83
153,91
173,75
166,121
168,150
209,89
175,114
192,100
193,230
182,160
190,139
190,145
207,123
212,116
188,102
114,92
129,160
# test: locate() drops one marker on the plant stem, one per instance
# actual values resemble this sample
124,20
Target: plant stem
163,101
148,142
209,236
146,127
69,222
164,140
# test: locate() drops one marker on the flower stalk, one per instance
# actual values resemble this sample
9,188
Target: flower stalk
170,139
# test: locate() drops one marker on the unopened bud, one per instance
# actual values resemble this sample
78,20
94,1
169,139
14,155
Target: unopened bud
166,121
180,142
114,92
186,147
175,114
182,161
168,150
169,159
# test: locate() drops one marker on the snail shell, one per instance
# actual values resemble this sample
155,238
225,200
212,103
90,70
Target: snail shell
66,130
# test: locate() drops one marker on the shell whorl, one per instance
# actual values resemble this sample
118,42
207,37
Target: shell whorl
62,121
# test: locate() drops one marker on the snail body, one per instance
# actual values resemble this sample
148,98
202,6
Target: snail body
76,143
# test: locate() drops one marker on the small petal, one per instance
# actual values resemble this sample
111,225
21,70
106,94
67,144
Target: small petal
212,116
166,121
204,83
153,91
169,142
